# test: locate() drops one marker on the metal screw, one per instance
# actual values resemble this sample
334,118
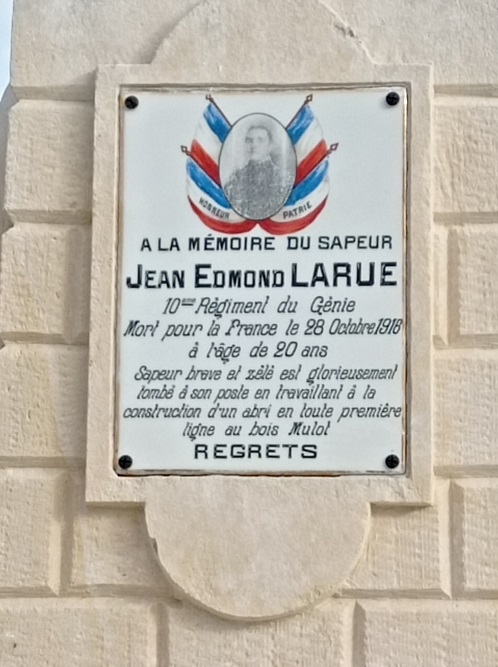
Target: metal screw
392,461
131,102
392,99
125,462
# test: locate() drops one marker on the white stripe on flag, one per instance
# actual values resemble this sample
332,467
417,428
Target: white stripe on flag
309,140
208,140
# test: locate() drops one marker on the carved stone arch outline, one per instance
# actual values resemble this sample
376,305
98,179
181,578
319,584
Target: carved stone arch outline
256,41
259,547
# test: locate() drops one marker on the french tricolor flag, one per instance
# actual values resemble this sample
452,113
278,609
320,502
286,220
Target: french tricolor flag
205,193
309,193
311,188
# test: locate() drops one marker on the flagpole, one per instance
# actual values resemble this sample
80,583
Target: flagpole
306,101
210,98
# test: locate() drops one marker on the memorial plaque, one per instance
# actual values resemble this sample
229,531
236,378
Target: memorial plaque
261,320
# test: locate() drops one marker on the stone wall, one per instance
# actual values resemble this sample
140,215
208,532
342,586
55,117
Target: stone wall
81,585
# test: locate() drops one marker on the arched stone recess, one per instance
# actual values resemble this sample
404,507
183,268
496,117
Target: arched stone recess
258,41
254,548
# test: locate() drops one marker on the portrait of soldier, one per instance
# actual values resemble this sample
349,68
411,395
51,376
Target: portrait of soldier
261,186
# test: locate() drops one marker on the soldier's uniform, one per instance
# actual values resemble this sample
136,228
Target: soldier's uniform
257,190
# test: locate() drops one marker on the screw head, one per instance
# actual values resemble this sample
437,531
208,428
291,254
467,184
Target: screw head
125,462
131,102
392,99
392,461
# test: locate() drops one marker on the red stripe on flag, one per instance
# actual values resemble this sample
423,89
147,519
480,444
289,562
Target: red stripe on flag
205,161
280,228
311,160
223,227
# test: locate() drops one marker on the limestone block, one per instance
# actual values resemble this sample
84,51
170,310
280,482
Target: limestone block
440,293
124,32
45,283
475,544
466,418
7,101
407,550
30,532
433,634
460,42
43,390
473,285
49,161
111,549
319,638
69,42
465,157
80,633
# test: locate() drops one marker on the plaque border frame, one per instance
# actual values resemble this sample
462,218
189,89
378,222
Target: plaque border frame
415,486
126,91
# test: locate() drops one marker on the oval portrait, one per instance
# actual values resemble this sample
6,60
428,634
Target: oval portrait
257,166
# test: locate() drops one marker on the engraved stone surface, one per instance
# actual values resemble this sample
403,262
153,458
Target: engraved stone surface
44,403
49,297
320,637
475,537
466,394
78,632
407,551
473,290
460,634
49,162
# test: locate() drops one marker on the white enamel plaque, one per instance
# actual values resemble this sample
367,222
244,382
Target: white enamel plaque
261,283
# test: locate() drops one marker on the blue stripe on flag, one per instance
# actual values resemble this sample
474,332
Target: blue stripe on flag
300,124
216,122
206,184
310,183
